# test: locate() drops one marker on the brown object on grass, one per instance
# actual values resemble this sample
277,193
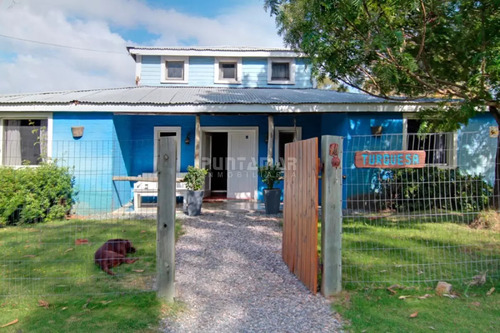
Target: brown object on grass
113,253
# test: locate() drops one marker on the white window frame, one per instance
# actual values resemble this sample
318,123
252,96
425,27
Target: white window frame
157,131
164,78
277,131
290,61
451,141
239,70
26,116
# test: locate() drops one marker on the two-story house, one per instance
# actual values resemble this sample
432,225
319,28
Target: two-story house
231,109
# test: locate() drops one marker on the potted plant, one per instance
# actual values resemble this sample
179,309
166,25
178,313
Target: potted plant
195,183
271,174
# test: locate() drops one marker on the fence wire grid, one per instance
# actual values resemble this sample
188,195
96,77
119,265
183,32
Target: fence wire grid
56,256
422,225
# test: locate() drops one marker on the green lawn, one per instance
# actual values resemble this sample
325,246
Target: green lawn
43,263
392,249
386,250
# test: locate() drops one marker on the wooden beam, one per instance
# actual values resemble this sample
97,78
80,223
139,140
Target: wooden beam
165,237
197,143
270,138
331,210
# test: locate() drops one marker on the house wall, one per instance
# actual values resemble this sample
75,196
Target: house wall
201,73
356,130
123,145
92,157
476,149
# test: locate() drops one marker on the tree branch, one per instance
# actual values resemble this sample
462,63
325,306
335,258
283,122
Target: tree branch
424,29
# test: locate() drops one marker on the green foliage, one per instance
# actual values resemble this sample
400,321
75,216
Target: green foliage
435,188
448,49
35,194
195,178
270,174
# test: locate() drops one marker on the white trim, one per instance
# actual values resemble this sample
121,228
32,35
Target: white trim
228,129
157,130
138,69
219,108
239,70
217,53
451,140
26,115
291,63
185,78
289,129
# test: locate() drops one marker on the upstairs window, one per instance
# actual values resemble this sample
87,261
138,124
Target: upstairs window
227,70
24,141
281,71
174,69
440,148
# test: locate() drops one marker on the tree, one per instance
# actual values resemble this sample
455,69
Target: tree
410,48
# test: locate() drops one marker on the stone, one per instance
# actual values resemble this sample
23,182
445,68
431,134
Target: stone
443,288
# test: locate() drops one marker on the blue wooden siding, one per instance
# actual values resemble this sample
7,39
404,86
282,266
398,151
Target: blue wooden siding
201,73
151,71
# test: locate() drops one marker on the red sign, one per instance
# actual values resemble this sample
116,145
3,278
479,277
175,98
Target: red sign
392,159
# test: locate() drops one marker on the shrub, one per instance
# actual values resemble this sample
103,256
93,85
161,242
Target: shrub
195,178
270,174
35,194
436,188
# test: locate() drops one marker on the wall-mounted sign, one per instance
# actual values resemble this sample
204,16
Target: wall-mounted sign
392,159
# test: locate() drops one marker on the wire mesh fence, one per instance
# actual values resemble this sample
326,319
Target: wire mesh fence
420,225
55,213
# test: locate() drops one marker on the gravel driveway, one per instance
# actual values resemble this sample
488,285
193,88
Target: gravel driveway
231,278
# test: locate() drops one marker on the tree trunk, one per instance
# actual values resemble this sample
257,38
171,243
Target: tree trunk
496,189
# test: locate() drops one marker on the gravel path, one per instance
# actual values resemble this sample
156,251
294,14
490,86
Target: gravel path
231,278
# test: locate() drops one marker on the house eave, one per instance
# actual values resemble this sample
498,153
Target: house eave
213,53
218,108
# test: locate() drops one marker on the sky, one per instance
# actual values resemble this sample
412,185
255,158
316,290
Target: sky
57,45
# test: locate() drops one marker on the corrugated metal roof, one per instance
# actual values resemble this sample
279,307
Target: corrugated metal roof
167,96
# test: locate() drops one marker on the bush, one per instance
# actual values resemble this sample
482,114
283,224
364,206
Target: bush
270,174
195,178
435,188
35,194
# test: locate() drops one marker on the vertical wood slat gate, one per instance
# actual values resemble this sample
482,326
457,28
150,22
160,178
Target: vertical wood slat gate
300,211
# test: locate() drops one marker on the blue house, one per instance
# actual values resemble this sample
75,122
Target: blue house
230,108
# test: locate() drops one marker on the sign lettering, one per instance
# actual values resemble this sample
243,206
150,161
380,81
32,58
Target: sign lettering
396,159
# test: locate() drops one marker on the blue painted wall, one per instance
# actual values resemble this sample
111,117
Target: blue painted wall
91,156
476,149
123,145
356,130
201,73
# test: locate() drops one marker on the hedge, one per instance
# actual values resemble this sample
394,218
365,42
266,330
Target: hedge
35,194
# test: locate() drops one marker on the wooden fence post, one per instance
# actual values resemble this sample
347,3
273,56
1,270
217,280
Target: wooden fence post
331,220
165,235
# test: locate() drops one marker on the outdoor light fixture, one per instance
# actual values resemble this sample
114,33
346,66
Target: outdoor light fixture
376,130
187,140
77,131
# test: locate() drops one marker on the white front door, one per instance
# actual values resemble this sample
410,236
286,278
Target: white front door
242,165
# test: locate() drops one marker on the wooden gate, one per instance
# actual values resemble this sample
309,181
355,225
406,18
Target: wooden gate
300,211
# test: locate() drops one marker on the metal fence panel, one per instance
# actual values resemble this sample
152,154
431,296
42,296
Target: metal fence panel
422,225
